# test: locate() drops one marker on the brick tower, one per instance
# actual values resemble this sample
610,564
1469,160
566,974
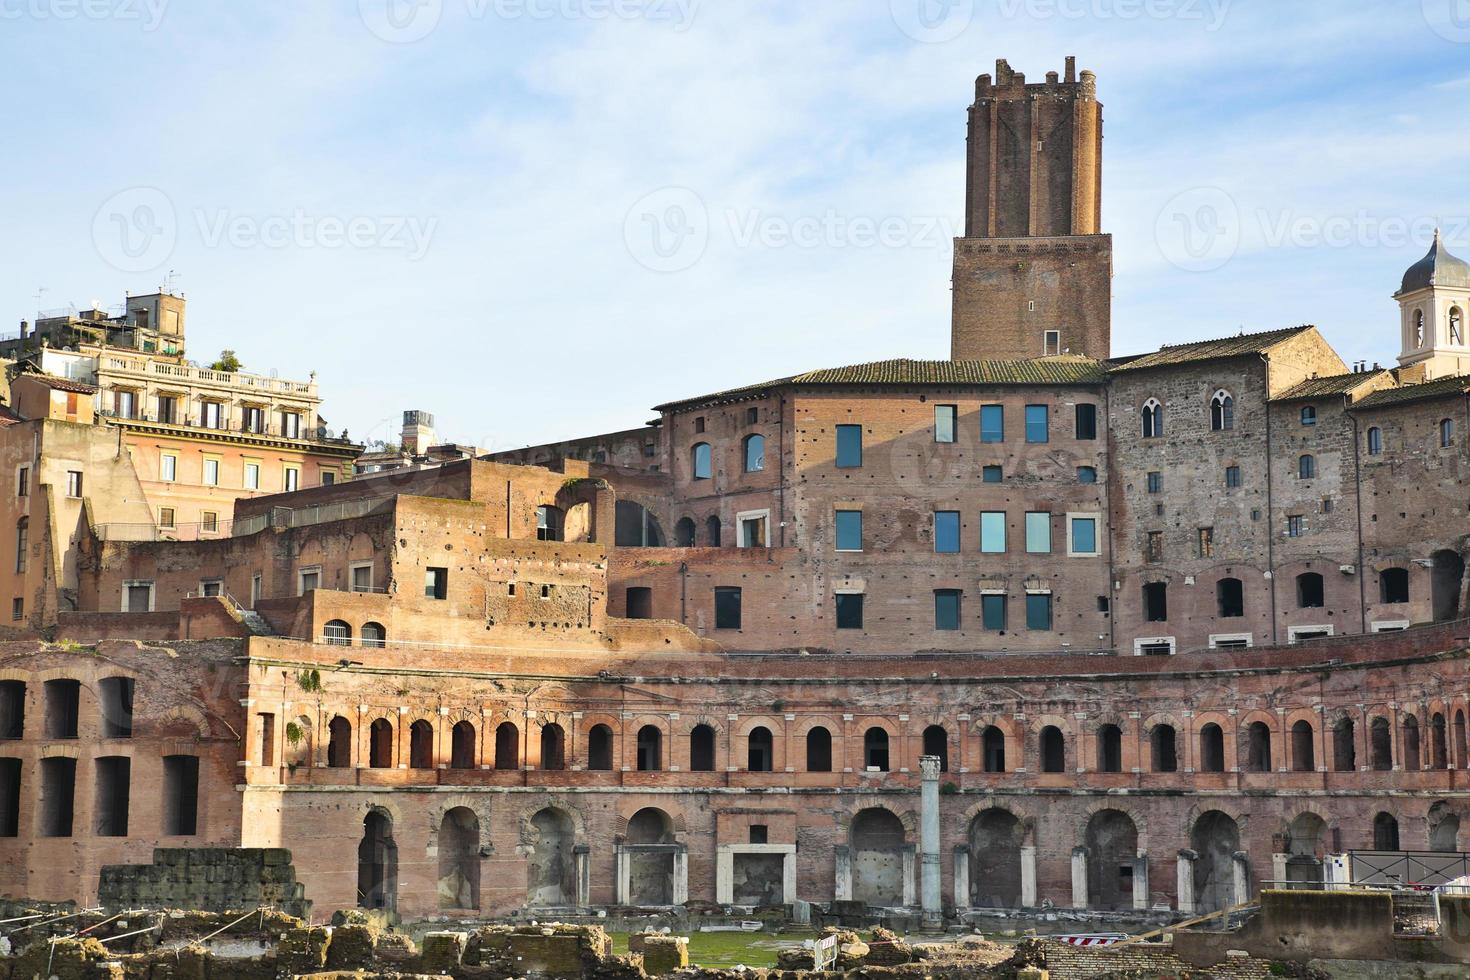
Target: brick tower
1033,274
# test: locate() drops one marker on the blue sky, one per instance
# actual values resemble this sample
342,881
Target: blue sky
538,218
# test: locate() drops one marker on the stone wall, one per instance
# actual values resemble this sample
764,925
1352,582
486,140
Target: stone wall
209,879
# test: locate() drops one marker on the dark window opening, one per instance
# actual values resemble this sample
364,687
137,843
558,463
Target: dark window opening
850,611
180,795
760,833
760,750
462,746
1344,747
380,744
1303,751
993,749
684,533
339,743
702,749
1385,832
1156,602
849,446
436,583
936,743
1164,743
875,749
1212,748
1086,422
63,699
421,745
650,749
1230,598
819,750
553,748
1309,591
507,746
600,749
727,608
1109,749
110,799
58,795
12,709
1053,750
1380,745
1258,747
639,602
1393,585
9,797
947,609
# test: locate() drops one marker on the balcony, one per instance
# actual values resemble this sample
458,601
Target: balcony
150,369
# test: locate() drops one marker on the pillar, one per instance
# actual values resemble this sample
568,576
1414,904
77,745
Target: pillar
1140,883
1278,869
1241,866
681,876
910,866
842,879
1028,877
622,873
1185,880
962,876
725,875
788,880
582,872
1335,871
931,875
1079,877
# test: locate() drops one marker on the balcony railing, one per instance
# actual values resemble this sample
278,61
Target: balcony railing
188,373
202,531
305,433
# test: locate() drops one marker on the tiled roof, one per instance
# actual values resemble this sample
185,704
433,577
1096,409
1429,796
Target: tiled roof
63,384
1210,350
1065,369
1332,384
1442,388
8,416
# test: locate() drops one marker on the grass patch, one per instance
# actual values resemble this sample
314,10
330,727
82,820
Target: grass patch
726,950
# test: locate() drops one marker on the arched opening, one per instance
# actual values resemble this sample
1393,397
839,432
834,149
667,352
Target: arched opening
577,523
1306,848
1385,832
507,746
550,523
1439,754
337,633
553,748
550,881
1215,837
1446,578
639,604
1309,591
1222,412
1457,327
380,744
600,748
996,838
1230,598
1344,746
635,527
1411,743
374,635
650,749
1053,750
1375,441
1258,747
339,743
1110,749
1303,753
702,749
1380,745
651,873
754,453
1152,418
298,743
1306,467
1460,739
1212,748
421,745
459,860
684,533
712,531
377,863
819,750
701,462
1444,829
875,750
993,749
462,746
1163,741
877,858
1112,858
1418,328
1393,585
936,743
760,750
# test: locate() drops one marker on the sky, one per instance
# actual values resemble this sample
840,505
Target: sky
536,219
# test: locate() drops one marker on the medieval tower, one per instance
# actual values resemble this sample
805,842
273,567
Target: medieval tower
1033,274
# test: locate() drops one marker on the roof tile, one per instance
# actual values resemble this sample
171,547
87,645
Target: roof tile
1210,350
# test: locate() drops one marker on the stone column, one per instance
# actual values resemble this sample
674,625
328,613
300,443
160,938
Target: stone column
1242,875
933,902
725,875
1140,883
842,879
788,879
1028,877
910,867
1185,879
681,876
962,876
1278,869
1079,877
622,873
582,872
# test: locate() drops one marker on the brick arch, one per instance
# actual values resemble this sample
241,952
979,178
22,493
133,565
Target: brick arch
1147,723
66,751
747,725
476,805
628,810
526,832
687,723
1035,725
907,817
1234,811
1243,722
457,715
1085,815
386,805
1028,820
803,725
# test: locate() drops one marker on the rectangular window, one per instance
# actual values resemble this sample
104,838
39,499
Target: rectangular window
58,795
752,415
849,530
308,580
213,414
850,611
992,423
993,532
291,425
180,795
727,608
1051,340
362,578
74,483
22,544
945,418
209,521
947,609
254,420
947,532
23,482
1082,537
1295,526
436,583
1038,611
125,404
849,446
1038,423
1086,422
1206,542
1156,483
293,478
993,612
1038,533
211,587
18,608
252,476
752,530
329,478
138,597
1154,549
165,517
168,409
168,468
211,472
993,474
1232,477
110,796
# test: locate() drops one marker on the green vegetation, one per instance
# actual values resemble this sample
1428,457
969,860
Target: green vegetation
227,361
727,950
309,681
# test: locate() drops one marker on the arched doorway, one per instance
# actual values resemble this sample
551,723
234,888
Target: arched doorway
996,837
1305,848
459,860
877,858
1444,828
1215,837
635,527
550,871
1112,857
377,863
1446,577
650,858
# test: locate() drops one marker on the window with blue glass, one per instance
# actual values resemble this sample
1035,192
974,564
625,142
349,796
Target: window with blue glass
1084,536
1038,533
993,532
947,609
701,461
1038,611
849,445
993,612
849,530
947,532
850,611
945,419
992,423
1087,474
1038,423
993,474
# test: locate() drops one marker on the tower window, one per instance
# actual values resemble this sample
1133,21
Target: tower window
1152,418
1446,433
1418,328
1306,467
1309,415
1457,331
1375,441
1222,412
1051,343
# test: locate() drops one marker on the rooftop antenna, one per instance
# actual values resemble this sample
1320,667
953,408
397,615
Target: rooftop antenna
168,282
41,291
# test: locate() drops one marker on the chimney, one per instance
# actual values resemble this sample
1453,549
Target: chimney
25,329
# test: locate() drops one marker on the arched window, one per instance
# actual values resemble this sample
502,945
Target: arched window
1375,441
1393,585
993,749
1303,751
337,633
1344,746
374,635
875,749
1222,412
1053,750
1418,328
702,466
1153,419
1229,598
1439,750
936,743
1309,591
1380,745
1306,467
1110,749
1457,327
684,533
650,749
712,531
1385,832
339,743
600,749
1258,747
754,453
380,744
507,746
462,746
1212,748
1446,433
421,745
819,750
759,750
549,522
553,748
1411,743
702,749
1164,743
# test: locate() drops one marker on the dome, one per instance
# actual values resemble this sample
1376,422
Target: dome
1438,268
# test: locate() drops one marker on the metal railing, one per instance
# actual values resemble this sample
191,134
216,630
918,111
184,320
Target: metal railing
197,531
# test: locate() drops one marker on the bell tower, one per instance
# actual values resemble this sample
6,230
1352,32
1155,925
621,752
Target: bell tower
1033,274
1433,301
